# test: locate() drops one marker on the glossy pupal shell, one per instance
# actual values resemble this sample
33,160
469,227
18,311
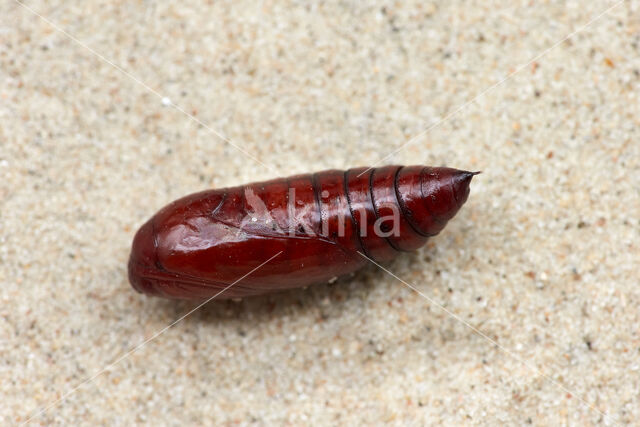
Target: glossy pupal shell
317,224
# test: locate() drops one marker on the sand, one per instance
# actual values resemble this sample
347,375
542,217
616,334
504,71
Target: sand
528,304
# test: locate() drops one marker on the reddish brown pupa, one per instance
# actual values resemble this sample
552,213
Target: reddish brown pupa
200,244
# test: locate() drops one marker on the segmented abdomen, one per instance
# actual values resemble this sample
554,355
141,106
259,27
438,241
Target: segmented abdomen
318,223
381,211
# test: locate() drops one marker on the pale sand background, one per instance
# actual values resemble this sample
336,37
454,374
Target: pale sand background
543,258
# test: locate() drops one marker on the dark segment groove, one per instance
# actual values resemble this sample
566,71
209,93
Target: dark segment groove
354,221
404,209
373,203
